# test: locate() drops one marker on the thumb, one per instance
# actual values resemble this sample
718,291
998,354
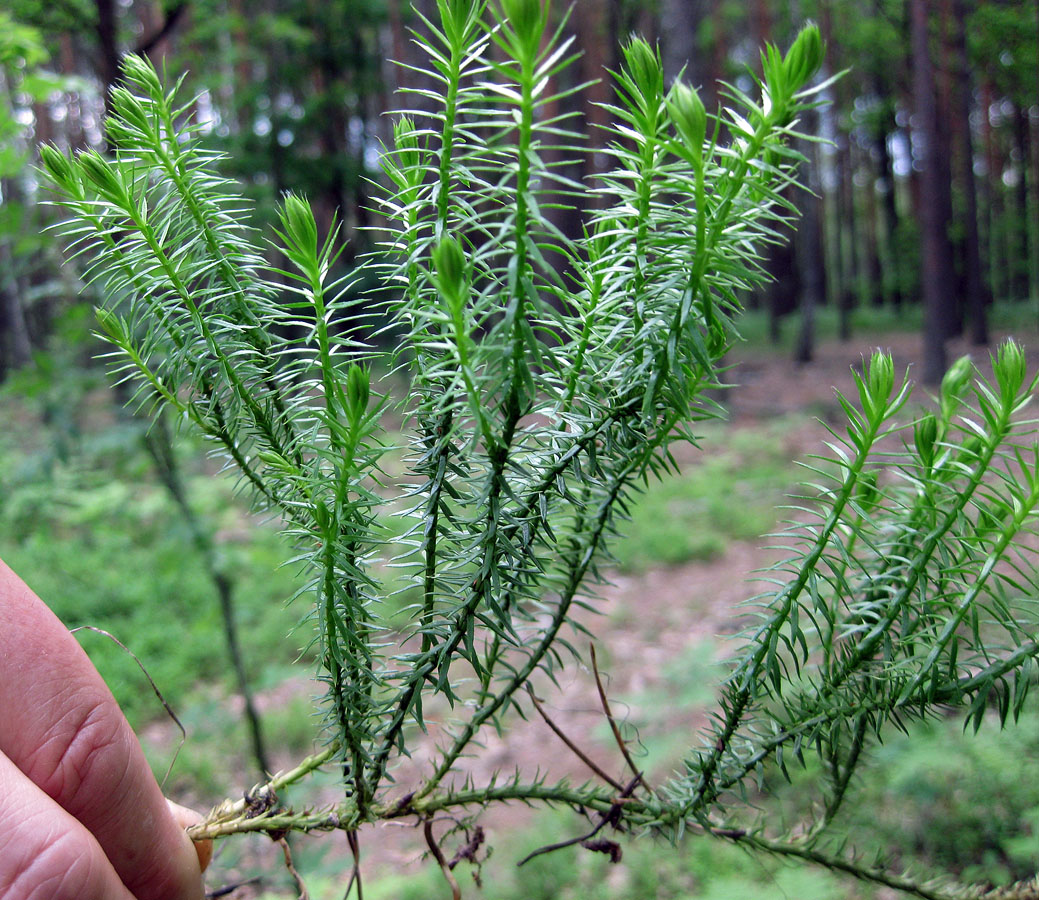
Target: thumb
185,818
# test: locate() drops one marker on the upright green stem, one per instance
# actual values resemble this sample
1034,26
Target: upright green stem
579,562
745,679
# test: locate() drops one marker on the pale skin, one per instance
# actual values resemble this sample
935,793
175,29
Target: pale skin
81,815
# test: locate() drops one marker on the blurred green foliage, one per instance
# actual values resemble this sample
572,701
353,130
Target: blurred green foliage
86,523
728,495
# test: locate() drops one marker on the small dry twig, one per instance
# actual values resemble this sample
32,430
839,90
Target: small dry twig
434,849
613,723
296,877
612,782
355,874
154,686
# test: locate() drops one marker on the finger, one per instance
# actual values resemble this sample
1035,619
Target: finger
185,818
63,729
45,852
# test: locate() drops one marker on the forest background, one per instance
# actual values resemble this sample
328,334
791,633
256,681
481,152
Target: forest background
924,220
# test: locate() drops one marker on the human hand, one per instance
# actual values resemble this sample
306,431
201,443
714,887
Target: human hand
81,816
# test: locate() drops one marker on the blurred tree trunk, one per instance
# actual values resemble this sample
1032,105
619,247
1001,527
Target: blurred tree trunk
760,25
15,344
591,24
108,47
836,209
1031,166
682,21
883,82
848,249
784,289
810,250
941,158
935,260
1020,287
594,30
625,18
887,218
990,195
875,294
973,292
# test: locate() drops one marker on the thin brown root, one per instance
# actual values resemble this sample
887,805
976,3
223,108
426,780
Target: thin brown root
434,849
355,874
577,751
228,889
296,877
617,736
154,686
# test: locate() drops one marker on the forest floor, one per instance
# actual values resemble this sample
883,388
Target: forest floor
660,635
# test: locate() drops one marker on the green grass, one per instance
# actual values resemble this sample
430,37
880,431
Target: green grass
84,522
965,803
729,492
753,325
1020,318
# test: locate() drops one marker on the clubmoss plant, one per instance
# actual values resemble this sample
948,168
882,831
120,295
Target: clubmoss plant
548,376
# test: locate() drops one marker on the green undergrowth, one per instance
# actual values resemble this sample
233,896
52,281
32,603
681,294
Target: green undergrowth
961,802
729,492
967,803
865,322
872,323
85,523
84,520
956,801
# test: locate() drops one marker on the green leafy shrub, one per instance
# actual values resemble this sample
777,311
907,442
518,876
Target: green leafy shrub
549,375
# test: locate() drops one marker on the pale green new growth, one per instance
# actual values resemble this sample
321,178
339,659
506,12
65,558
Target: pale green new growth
548,376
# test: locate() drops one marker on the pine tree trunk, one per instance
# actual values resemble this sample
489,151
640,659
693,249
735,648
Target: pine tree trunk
810,254
1020,284
108,62
15,344
848,245
974,297
933,236
941,157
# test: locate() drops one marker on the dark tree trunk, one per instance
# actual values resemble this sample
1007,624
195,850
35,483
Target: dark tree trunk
784,289
875,293
1020,286
942,159
15,344
848,249
108,62
934,242
810,255
991,198
682,21
1031,165
973,293
888,221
